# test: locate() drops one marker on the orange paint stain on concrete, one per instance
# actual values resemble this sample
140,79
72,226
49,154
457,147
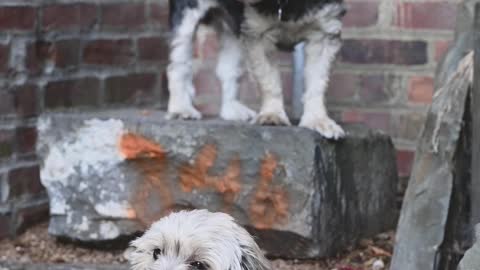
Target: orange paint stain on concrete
197,176
131,213
149,160
269,205
134,146
229,184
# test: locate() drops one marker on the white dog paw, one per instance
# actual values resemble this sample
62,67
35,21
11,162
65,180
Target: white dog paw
323,125
273,119
189,113
236,111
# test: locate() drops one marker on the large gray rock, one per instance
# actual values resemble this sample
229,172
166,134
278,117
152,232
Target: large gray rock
471,259
435,211
463,44
111,174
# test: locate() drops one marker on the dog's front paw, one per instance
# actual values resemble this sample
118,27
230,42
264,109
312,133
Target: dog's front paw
323,125
273,119
188,113
236,111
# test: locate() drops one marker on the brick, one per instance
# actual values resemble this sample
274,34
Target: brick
159,13
361,14
358,88
32,214
6,103
373,89
123,15
72,93
4,57
404,162
25,100
420,90
249,91
17,18
7,143
69,17
164,93
342,87
133,88
209,107
407,125
441,48
426,15
206,82
153,49
109,52
26,139
5,225
287,85
61,53
38,54
67,53
283,57
374,51
206,45
24,181
376,120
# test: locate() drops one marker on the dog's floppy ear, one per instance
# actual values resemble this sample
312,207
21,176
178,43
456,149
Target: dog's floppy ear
253,259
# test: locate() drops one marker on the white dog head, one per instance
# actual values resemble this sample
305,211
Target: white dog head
196,240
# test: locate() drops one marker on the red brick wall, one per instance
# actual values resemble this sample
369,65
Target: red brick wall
99,53
389,57
56,55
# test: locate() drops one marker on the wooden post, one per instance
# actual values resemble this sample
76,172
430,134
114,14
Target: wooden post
475,113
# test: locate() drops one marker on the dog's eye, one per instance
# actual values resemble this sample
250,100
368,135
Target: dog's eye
156,253
198,265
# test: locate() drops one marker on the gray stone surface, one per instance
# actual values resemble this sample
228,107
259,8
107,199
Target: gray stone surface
110,174
463,44
428,226
471,259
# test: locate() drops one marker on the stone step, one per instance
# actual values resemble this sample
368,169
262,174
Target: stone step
110,174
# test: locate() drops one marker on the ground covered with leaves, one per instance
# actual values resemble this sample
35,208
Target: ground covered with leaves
36,246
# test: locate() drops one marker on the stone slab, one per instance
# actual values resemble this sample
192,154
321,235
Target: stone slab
471,259
111,174
432,214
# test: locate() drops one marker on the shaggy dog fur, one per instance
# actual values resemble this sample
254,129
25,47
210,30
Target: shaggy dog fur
252,29
196,240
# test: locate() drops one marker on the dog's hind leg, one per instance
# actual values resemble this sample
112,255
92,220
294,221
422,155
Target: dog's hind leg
229,69
267,75
320,55
180,68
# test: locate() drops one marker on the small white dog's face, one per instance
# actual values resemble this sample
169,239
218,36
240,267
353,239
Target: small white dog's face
196,240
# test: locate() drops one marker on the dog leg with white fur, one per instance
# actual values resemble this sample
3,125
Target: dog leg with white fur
320,55
268,77
180,69
229,71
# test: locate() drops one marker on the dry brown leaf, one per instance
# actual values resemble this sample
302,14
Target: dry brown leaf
380,252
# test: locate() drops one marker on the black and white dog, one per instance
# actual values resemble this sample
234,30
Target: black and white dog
253,28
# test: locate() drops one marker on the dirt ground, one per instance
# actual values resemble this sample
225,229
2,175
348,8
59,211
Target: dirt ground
36,246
